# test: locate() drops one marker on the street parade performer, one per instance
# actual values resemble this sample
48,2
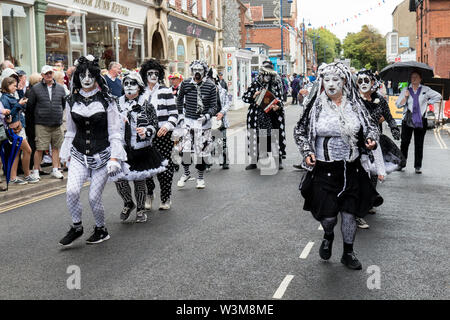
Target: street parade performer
335,130
165,105
388,157
139,125
260,122
197,104
92,146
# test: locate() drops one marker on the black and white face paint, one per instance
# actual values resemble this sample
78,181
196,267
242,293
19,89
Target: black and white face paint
152,76
130,86
87,80
267,78
364,83
333,84
198,72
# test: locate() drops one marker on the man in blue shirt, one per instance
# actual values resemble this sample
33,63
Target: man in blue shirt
112,78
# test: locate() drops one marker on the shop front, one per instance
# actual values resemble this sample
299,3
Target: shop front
237,74
109,30
189,41
17,34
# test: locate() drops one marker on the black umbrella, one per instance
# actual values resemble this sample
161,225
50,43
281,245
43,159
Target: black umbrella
401,71
8,152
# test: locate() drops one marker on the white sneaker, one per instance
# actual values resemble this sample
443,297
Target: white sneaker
57,174
35,174
182,182
149,202
165,205
200,184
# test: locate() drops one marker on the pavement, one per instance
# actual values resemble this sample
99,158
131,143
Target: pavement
244,237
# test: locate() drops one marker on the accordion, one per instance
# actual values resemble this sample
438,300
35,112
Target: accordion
266,100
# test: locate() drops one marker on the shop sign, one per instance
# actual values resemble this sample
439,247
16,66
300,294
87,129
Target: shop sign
106,5
190,29
229,68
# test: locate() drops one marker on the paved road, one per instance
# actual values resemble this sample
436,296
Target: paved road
240,238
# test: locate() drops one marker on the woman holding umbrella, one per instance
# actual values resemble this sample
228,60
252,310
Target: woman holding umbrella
414,100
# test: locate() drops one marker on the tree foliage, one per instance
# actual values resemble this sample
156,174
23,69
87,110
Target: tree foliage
328,40
366,49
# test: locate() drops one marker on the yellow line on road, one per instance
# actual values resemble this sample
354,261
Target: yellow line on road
440,138
437,139
36,199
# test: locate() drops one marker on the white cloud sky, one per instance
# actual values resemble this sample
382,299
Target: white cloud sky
326,12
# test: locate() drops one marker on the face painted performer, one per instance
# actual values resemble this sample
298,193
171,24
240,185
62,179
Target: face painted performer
164,103
92,146
139,128
260,123
197,104
391,158
331,137
225,105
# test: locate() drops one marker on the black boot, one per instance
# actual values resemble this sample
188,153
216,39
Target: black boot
251,167
326,247
126,211
225,165
349,258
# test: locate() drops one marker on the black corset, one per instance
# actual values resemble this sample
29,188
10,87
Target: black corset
92,133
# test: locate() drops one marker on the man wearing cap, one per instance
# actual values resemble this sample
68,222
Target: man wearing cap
46,101
222,82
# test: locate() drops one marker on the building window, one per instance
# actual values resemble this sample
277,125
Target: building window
172,58
184,4
130,46
101,39
194,7
181,57
209,56
394,44
63,36
16,35
204,9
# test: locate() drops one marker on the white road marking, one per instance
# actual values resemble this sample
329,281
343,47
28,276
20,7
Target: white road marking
437,139
307,249
440,138
283,286
320,227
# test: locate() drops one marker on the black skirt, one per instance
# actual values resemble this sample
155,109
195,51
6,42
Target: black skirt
333,187
144,163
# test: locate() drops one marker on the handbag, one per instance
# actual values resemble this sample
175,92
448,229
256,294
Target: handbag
408,119
3,135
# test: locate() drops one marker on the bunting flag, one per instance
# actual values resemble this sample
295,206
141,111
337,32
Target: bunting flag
353,17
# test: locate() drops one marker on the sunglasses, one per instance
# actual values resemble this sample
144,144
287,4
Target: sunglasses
366,80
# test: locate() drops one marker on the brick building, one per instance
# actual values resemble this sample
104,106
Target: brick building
264,27
433,31
195,32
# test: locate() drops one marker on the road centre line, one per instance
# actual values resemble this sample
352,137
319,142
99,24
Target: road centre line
283,286
306,251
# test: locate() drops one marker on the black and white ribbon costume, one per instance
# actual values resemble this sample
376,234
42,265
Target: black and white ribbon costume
144,160
93,137
261,124
197,104
164,103
336,135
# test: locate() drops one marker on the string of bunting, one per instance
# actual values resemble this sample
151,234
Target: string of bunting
353,17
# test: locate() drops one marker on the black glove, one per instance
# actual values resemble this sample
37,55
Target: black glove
395,133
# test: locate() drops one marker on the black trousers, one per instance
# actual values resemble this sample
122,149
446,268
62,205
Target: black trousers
419,137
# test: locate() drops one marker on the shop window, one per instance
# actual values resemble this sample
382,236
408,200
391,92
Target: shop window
16,35
130,46
100,36
181,57
63,36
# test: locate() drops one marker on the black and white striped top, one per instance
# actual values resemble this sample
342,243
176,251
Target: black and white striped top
165,105
187,99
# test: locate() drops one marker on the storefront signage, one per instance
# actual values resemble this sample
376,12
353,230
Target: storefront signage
118,9
229,68
112,6
190,29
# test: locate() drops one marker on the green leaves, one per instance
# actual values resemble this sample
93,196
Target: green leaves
325,39
366,48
